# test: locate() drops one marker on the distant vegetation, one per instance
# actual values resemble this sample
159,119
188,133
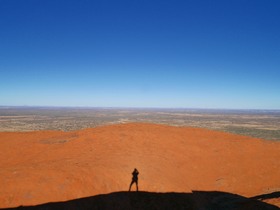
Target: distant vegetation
256,123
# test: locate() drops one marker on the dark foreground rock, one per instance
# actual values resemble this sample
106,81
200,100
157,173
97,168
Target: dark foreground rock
197,200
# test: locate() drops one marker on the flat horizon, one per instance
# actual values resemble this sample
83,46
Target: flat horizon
123,107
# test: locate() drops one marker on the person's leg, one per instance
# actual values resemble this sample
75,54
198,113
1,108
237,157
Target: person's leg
136,185
130,185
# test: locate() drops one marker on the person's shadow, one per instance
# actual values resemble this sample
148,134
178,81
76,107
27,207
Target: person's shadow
134,179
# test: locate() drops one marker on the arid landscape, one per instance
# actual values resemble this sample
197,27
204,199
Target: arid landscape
263,124
181,97
59,159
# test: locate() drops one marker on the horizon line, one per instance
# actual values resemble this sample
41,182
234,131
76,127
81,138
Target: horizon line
135,107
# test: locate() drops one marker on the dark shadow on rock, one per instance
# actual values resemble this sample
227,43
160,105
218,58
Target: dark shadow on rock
197,200
267,196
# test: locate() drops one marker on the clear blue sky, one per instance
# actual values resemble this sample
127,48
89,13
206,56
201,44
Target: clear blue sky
140,53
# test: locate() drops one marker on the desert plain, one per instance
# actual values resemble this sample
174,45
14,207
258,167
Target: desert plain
53,156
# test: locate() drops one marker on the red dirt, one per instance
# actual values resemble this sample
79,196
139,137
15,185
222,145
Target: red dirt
47,166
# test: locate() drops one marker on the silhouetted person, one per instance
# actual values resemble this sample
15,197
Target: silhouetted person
134,179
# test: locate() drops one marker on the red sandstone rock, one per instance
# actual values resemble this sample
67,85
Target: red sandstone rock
47,166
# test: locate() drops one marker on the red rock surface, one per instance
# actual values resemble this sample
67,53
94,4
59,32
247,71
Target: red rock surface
47,166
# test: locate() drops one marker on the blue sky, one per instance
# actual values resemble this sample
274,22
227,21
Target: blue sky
140,53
